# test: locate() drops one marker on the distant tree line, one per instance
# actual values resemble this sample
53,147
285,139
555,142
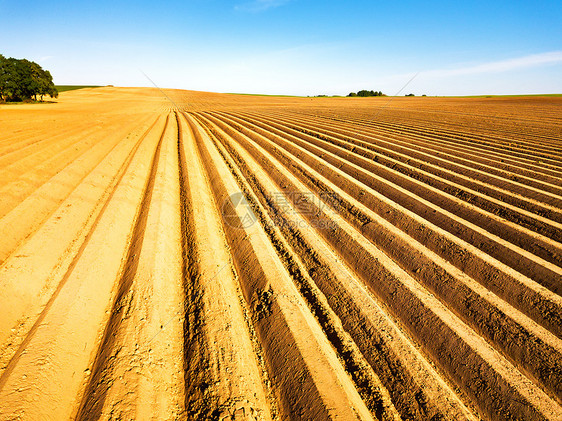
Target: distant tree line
367,93
24,80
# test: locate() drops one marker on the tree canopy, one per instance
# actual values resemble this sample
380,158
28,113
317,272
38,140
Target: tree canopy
364,93
23,80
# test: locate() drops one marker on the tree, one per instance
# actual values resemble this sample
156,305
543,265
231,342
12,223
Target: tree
42,82
365,93
23,80
6,79
3,76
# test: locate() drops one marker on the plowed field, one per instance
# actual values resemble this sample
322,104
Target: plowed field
214,256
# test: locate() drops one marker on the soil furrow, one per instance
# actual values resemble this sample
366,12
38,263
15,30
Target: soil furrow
172,254
317,269
550,196
477,154
99,382
431,312
451,210
455,290
516,149
466,185
60,344
53,250
223,375
295,350
533,299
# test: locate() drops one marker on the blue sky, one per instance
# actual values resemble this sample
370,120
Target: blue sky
301,47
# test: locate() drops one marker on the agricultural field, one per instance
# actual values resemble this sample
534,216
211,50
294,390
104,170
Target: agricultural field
64,88
189,255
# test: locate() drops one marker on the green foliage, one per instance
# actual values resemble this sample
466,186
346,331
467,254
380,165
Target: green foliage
409,95
23,80
365,93
64,88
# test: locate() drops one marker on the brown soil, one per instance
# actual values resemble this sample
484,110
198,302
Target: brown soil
223,256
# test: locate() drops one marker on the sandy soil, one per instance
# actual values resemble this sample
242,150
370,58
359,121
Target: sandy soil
217,256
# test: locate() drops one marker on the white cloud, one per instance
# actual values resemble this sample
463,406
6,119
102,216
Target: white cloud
256,6
534,60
